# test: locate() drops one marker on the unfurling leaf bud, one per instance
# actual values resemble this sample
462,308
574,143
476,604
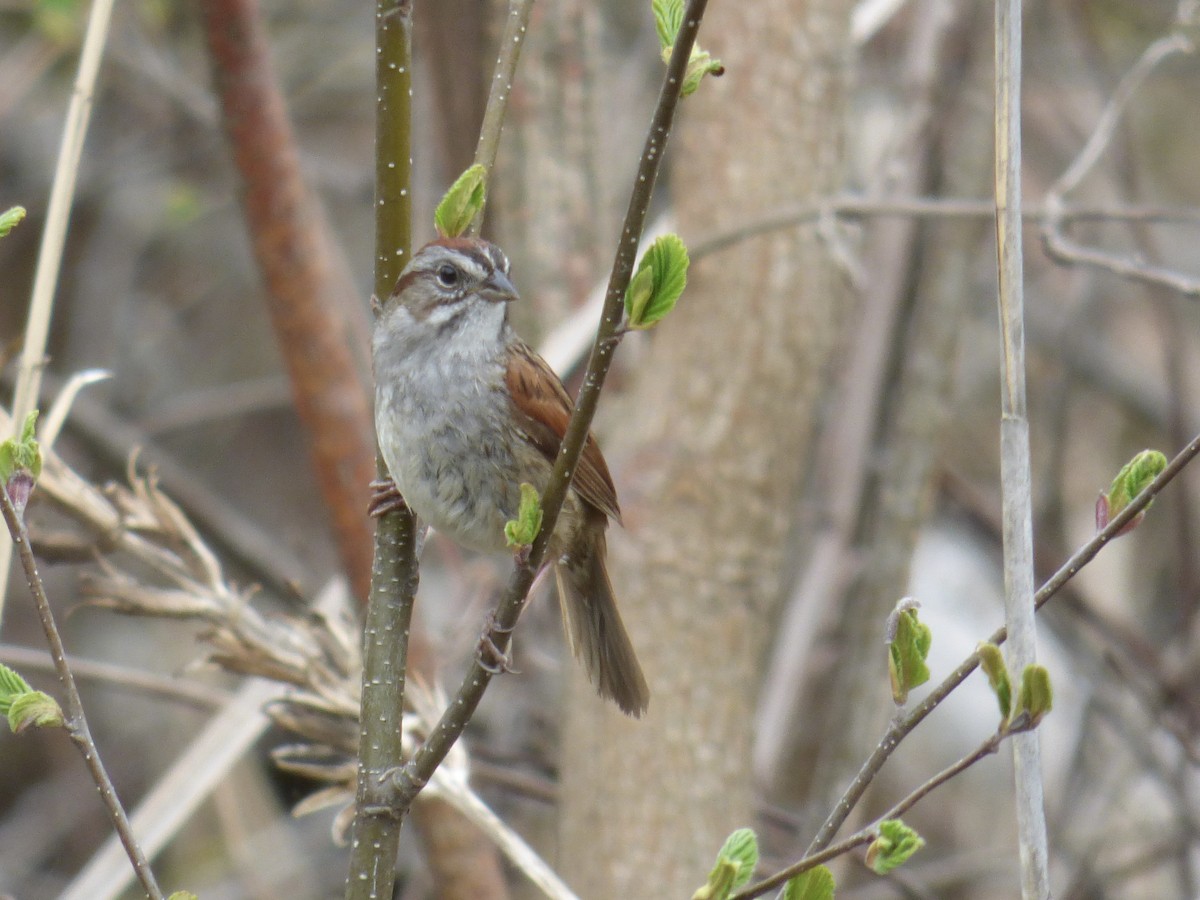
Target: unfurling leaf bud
908,646
521,531
1035,697
1133,478
658,282
462,202
9,219
21,464
735,864
893,845
991,660
668,18
34,709
815,884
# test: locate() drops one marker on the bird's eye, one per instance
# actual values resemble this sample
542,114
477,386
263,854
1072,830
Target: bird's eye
447,275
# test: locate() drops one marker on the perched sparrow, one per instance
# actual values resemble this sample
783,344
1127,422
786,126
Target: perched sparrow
465,412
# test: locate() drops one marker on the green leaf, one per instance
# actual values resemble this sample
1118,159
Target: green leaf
9,219
183,895
894,843
1134,477
908,647
658,282
521,531
735,865
12,685
991,660
34,709
462,202
668,17
1035,697
815,884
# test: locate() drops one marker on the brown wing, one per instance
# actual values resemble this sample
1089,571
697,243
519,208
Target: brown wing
543,410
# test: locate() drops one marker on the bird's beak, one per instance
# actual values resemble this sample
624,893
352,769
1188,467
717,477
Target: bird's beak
498,289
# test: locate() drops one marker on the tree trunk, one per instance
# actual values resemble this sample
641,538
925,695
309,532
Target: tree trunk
713,445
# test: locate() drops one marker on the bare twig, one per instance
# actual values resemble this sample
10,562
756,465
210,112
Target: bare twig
512,39
866,835
408,782
160,687
76,722
1016,475
54,235
1064,249
903,725
852,206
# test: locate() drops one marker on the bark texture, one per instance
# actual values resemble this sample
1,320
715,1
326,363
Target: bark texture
713,445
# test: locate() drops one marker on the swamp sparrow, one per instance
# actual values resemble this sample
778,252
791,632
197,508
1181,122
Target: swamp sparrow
466,411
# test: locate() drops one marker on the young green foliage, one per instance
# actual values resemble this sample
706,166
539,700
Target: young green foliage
24,706
908,646
21,463
893,845
658,282
991,660
735,865
34,710
9,219
521,531
462,202
1035,697
815,884
1133,478
668,18
183,895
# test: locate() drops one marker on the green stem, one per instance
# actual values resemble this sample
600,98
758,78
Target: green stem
394,573
516,24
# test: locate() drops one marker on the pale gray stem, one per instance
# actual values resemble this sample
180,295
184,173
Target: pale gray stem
1015,477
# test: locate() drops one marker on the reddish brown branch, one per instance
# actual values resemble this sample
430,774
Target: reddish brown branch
305,290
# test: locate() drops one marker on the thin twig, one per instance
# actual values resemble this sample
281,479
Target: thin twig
903,725
54,235
868,834
851,206
1016,472
160,687
76,722
511,41
407,782
1064,249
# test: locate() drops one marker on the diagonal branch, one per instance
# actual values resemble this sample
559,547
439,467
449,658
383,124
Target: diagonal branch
406,783
903,725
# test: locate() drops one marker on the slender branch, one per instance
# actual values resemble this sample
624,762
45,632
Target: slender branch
1016,470
851,206
394,574
54,234
1064,249
407,782
511,41
76,722
160,687
868,834
903,725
